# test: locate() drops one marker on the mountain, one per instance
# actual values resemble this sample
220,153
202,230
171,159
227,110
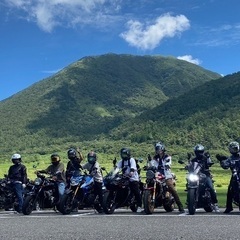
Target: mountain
208,114
93,96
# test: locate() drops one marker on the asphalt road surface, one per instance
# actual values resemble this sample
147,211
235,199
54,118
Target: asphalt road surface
122,224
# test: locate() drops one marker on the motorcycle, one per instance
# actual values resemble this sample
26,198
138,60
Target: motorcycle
44,194
118,192
198,194
80,194
155,193
8,198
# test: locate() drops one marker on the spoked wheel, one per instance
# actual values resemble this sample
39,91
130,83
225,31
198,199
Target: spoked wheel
148,202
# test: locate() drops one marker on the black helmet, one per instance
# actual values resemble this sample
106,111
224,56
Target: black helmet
16,158
199,150
159,147
55,158
233,147
92,157
125,153
71,153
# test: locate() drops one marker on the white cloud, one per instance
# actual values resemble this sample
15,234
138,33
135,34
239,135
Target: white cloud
190,59
51,13
149,36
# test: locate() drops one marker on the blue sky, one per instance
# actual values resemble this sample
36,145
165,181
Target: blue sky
40,37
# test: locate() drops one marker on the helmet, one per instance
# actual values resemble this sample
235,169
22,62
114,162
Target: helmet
125,153
199,150
92,157
159,147
55,158
72,153
233,147
16,158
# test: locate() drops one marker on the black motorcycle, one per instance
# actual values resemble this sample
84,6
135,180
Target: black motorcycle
44,194
8,198
155,193
80,194
118,192
198,194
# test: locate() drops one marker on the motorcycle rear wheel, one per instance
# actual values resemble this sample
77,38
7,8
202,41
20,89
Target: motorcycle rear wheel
109,205
191,201
148,202
28,205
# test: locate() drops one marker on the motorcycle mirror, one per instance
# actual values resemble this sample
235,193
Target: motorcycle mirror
180,161
103,168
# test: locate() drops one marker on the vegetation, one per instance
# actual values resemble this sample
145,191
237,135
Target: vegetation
91,97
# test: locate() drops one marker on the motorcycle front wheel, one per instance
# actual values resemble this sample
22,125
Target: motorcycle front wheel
148,202
191,201
169,203
28,205
109,205
66,204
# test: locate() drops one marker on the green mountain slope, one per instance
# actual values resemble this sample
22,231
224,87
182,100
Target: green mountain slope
208,114
91,97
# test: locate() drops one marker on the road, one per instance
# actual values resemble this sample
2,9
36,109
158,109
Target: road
122,224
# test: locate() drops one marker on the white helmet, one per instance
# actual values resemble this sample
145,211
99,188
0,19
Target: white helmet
16,156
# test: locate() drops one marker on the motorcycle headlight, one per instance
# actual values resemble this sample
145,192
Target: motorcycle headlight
38,181
193,177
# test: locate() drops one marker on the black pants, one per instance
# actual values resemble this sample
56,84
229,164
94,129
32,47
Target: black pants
232,184
98,191
134,187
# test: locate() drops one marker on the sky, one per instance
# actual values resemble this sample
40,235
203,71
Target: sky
38,38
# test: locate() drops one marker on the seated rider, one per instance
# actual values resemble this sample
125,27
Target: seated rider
95,170
73,164
203,158
57,170
164,165
129,168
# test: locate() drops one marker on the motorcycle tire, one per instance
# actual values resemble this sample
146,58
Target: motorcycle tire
28,205
108,205
134,205
208,208
191,201
169,203
66,204
148,203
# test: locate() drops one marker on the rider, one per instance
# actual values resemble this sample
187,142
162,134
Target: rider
95,170
73,163
164,165
56,169
229,162
129,168
203,158
17,174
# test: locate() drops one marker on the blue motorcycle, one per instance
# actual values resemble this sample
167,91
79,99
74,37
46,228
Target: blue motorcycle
79,195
